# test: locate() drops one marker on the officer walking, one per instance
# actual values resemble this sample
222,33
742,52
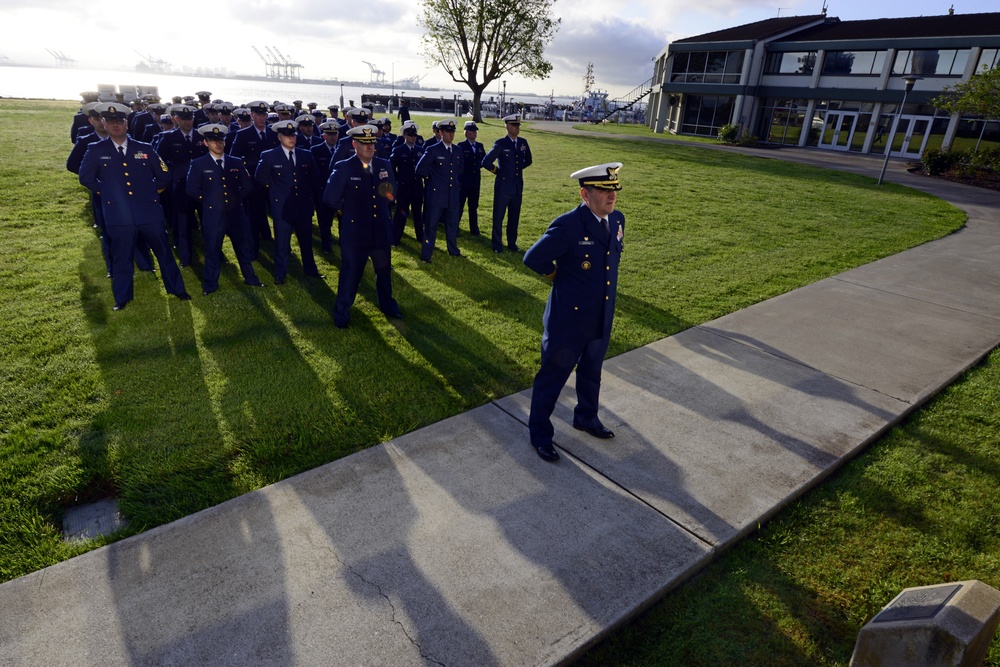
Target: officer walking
409,188
127,175
361,187
579,253
292,179
441,165
177,148
220,183
323,154
469,190
248,145
512,156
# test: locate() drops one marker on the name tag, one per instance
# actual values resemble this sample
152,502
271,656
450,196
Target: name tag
355,178
585,243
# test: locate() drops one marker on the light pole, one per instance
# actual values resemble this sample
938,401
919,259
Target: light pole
393,84
910,80
503,100
341,96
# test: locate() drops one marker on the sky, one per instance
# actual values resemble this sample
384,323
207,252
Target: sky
333,40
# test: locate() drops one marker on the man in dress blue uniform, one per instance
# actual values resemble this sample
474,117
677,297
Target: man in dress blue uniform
361,187
307,137
150,130
81,121
441,165
513,156
177,148
248,145
323,154
469,191
345,147
220,183
579,253
127,175
409,188
292,179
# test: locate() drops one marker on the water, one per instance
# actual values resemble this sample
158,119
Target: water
68,83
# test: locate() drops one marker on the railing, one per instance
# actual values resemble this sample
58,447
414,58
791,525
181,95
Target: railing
628,100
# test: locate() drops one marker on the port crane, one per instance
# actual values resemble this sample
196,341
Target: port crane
378,76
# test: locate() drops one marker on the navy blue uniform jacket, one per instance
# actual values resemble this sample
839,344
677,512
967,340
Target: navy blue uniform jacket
248,145
511,163
220,191
474,154
129,188
178,152
585,258
346,192
443,171
293,195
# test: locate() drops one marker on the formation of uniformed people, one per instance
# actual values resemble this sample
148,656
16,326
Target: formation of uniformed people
226,169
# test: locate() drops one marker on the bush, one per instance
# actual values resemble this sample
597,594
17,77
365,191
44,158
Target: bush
729,134
936,161
747,139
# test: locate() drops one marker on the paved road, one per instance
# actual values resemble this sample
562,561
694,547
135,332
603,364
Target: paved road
456,545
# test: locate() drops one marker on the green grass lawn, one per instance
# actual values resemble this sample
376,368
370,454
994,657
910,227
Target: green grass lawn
921,506
176,406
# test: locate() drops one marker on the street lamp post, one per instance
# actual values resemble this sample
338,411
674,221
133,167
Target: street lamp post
341,96
910,80
503,100
393,84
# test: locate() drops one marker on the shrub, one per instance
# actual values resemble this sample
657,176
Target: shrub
936,161
729,134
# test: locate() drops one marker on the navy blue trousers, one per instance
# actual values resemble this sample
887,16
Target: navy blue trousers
558,360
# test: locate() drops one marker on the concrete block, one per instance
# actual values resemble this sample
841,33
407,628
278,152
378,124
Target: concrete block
946,625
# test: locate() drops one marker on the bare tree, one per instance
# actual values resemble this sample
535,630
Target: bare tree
478,42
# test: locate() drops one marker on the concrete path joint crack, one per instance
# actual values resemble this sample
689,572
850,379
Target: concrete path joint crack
392,607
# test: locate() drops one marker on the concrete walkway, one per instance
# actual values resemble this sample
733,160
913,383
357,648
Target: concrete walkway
457,545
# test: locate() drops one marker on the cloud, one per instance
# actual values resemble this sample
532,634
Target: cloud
621,49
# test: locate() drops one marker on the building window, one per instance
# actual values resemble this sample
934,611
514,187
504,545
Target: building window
988,59
707,67
706,114
790,62
853,62
931,62
783,120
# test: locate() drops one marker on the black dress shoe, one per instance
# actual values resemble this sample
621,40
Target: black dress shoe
279,281
183,296
600,431
514,248
340,325
547,452
253,283
394,314
206,292
121,306
316,275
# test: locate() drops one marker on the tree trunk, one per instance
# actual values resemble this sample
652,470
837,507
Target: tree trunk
477,98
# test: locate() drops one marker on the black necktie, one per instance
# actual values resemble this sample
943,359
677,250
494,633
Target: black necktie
219,162
187,137
121,151
291,158
262,135
607,227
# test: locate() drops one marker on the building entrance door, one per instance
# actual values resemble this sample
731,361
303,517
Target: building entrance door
911,136
838,130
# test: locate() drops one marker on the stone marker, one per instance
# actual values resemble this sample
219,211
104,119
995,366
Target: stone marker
929,626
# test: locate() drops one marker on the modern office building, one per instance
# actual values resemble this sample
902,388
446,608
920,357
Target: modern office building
836,85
